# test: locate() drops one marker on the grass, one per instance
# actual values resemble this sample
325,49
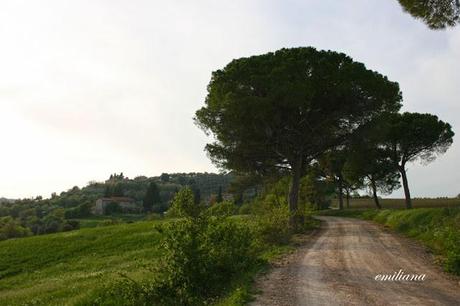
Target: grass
68,268
399,203
95,221
436,228
62,268
241,291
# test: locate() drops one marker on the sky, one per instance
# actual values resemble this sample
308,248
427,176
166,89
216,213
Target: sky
93,87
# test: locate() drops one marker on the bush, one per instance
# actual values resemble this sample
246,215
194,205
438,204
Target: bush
11,228
223,209
202,256
272,226
245,209
70,225
183,205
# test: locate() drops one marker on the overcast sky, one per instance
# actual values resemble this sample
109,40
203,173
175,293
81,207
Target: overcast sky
92,87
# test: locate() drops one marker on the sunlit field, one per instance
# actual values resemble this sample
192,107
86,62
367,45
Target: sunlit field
62,268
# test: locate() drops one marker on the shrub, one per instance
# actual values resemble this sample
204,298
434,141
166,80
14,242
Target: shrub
184,205
245,209
11,228
223,209
70,225
202,256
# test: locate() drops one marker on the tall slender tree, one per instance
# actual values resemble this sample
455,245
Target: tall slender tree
415,136
152,198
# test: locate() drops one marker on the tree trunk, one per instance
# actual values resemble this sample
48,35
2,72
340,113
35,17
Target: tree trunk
294,220
402,170
340,192
347,197
374,194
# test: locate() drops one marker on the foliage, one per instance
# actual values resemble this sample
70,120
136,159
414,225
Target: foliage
202,256
152,200
245,209
223,209
437,14
314,192
78,202
272,221
11,228
184,204
413,136
282,109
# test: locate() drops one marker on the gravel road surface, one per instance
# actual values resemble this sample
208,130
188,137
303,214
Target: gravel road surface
339,264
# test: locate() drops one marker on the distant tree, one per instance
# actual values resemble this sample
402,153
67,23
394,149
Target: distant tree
437,14
107,191
279,111
184,204
370,166
412,136
164,177
152,200
182,180
197,195
332,163
368,163
11,228
118,190
219,198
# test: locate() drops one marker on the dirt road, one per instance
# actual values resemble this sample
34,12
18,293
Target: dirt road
339,266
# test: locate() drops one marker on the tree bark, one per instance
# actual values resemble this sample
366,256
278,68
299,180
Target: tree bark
374,194
294,220
402,170
340,181
347,197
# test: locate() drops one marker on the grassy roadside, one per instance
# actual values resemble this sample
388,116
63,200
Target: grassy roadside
400,203
241,291
436,228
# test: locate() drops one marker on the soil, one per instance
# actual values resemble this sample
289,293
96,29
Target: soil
338,266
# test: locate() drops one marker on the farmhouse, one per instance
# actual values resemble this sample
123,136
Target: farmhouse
124,204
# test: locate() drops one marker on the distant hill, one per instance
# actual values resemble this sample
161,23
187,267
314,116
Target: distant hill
62,212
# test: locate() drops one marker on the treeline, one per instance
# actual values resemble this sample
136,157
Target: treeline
35,216
303,112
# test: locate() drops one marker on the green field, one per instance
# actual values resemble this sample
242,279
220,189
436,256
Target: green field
95,221
399,203
62,268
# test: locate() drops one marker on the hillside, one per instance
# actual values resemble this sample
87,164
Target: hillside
61,268
63,211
